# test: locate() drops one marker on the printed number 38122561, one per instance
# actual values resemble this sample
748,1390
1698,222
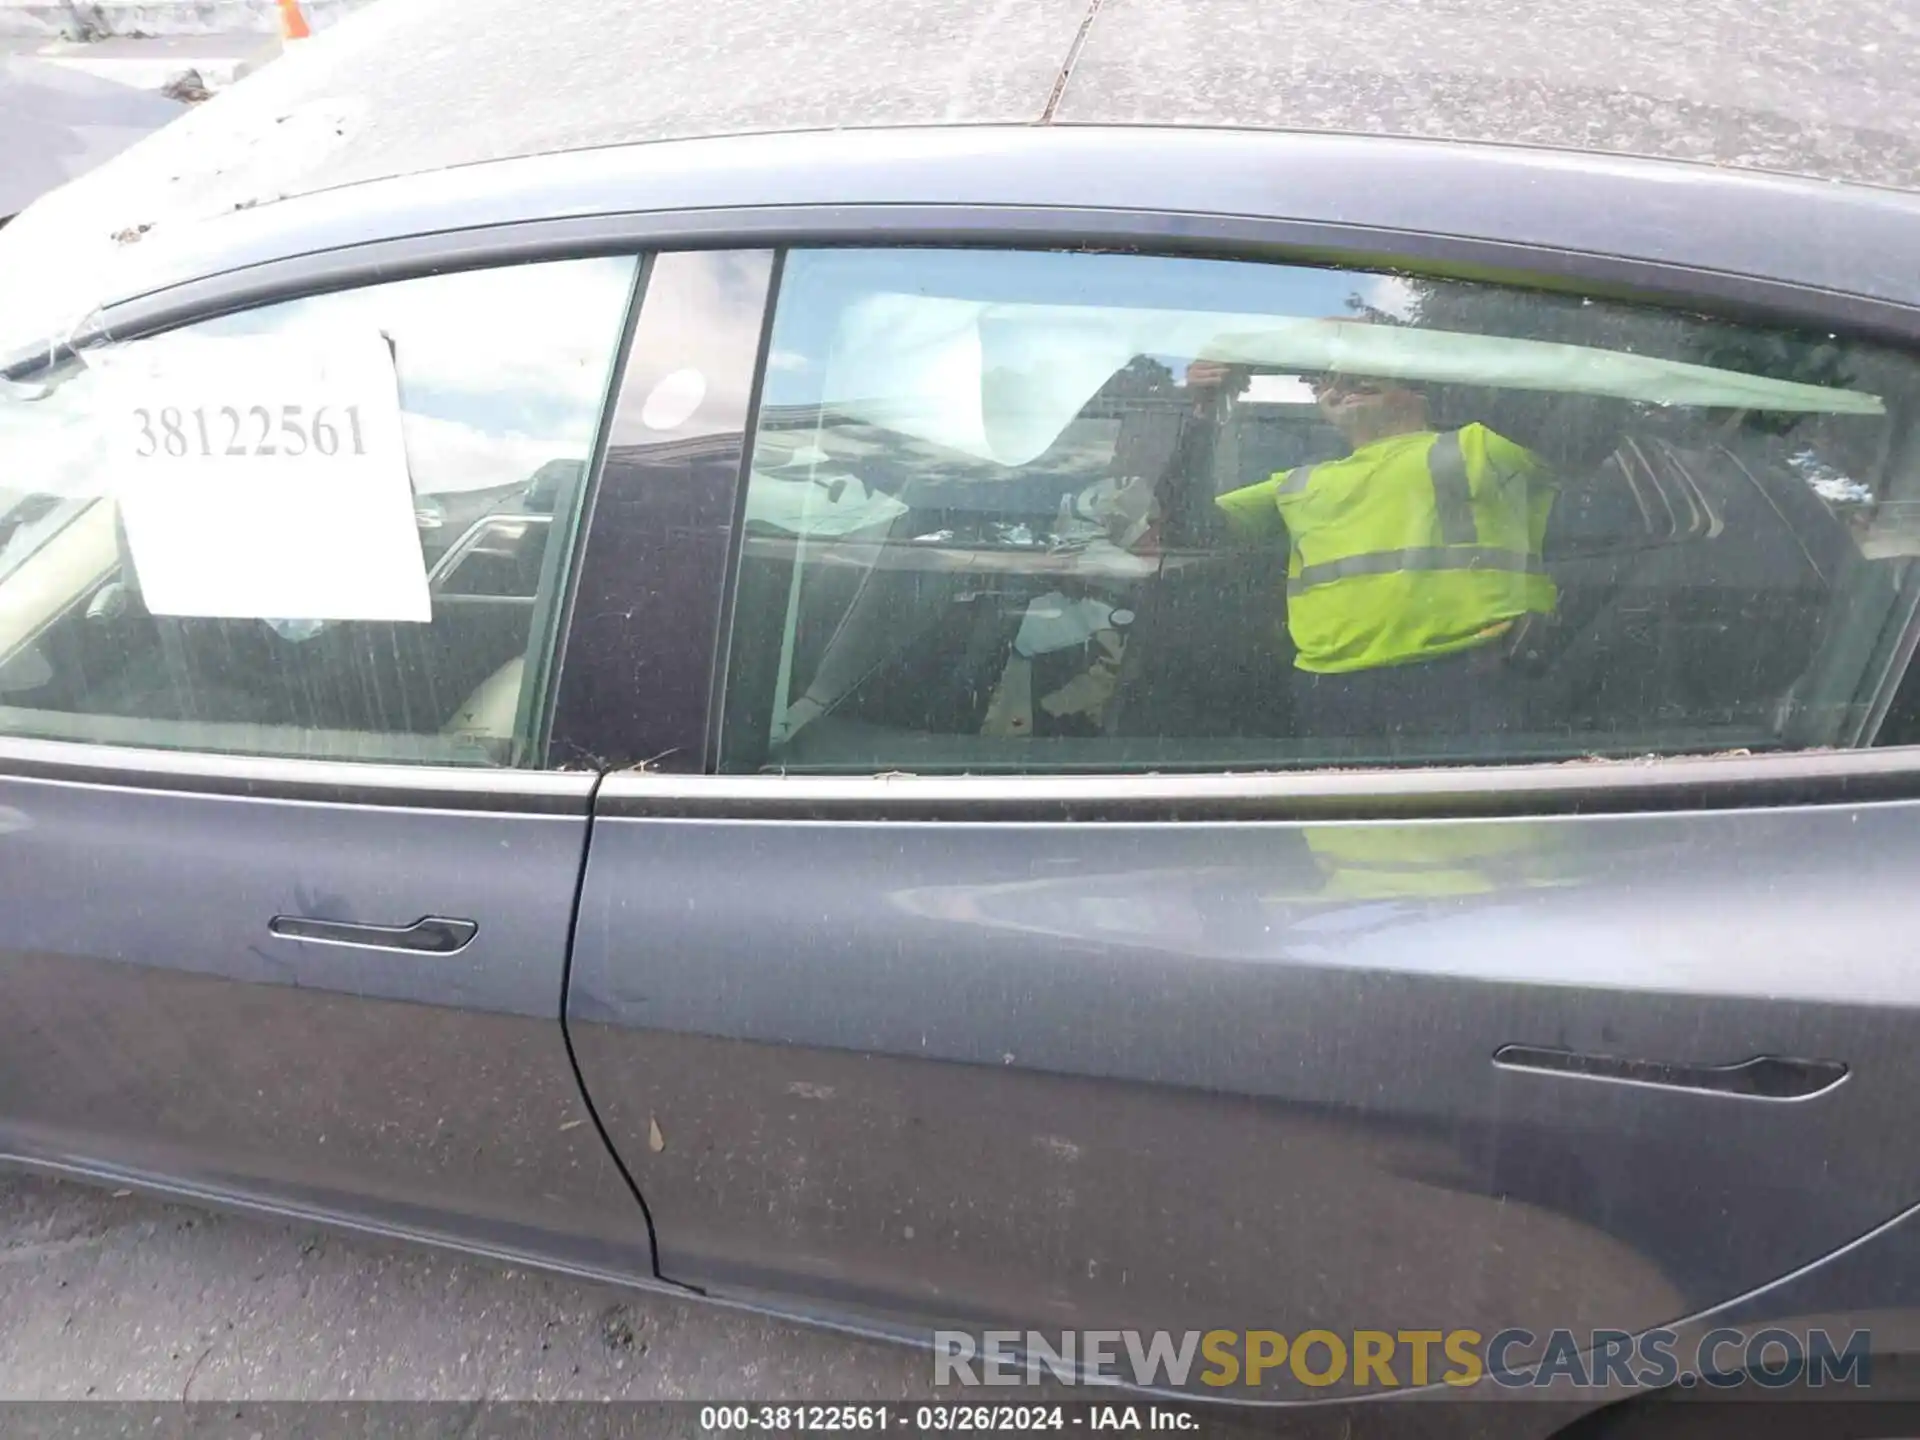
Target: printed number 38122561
284,430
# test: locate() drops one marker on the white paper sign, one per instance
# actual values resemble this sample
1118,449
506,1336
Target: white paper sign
265,477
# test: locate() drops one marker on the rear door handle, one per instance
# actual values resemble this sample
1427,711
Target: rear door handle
429,935
1764,1077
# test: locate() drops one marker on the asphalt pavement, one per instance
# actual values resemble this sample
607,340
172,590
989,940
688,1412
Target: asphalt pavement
112,1296
151,63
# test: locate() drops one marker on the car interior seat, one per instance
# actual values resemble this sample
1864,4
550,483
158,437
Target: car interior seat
1208,653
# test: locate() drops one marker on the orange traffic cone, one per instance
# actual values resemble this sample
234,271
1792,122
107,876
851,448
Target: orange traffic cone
293,25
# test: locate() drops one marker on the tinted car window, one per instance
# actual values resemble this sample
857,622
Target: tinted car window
125,572
1036,511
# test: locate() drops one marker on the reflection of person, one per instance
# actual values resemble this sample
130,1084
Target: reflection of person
1115,523
1432,862
1411,562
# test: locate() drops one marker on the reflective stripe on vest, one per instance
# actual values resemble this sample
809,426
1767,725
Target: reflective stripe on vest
1452,490
1426,557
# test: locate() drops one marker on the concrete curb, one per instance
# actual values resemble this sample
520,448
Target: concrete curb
100,19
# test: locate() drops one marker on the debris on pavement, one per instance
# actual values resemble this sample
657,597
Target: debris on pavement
187,87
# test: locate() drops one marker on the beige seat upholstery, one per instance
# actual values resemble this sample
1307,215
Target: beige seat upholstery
67,567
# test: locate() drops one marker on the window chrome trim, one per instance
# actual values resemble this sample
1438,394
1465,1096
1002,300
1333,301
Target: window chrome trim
1629,278
338,782
1837,237
1574,788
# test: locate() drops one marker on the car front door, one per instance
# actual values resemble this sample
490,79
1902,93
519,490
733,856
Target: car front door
1030,958
287,896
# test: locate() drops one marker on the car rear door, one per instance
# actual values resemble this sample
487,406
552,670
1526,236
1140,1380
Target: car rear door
1025,962
287,891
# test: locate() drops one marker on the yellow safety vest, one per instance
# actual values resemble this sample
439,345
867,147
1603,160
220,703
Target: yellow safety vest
1415,546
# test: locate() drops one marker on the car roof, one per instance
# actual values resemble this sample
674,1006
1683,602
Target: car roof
423,86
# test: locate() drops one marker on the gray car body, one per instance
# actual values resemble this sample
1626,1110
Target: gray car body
865,1047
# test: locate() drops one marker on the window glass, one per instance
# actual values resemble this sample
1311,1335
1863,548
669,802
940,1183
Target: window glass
231,537
1047,511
